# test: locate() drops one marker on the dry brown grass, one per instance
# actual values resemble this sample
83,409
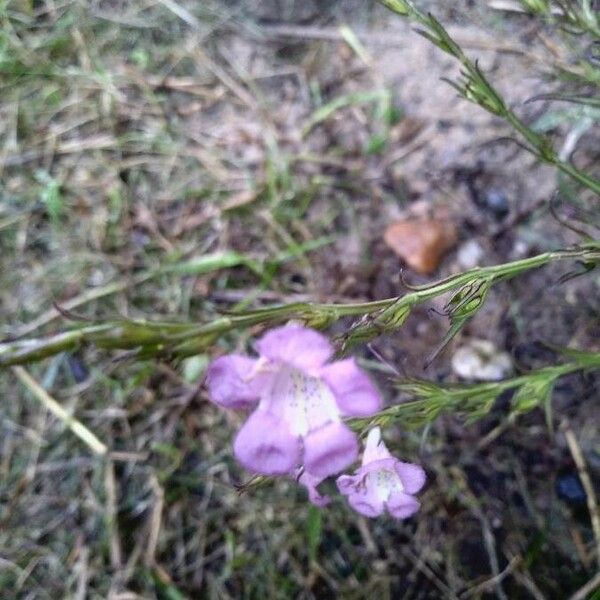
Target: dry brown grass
141,134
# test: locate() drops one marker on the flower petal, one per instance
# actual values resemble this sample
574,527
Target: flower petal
355,394
347,484
231,383
265,445
412,476
402,506
375,449
329,449
296,345
310,482
366,503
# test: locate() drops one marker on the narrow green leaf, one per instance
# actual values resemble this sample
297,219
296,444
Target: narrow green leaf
314,528
207,263
327,110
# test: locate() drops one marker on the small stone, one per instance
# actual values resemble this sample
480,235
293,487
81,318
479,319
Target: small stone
497,203
421,242
78,369
97,277
469,255
570,489
480,360
194,367
519,250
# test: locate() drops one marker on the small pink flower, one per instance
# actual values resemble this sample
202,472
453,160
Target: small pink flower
299,403
382,482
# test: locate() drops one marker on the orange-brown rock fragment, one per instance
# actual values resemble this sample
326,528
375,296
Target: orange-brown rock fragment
421,242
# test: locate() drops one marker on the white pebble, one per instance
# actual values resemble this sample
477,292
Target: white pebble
481,360
469,255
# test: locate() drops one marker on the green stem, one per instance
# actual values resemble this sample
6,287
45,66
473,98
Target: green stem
584,179
542,151
185,339
468,399
477,89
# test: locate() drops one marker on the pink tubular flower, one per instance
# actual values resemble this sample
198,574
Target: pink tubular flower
382,482
299,403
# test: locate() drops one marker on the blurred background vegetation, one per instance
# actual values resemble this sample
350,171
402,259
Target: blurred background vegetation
176,160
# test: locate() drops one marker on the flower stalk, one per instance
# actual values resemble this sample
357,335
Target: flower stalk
146,339
428,400
475,87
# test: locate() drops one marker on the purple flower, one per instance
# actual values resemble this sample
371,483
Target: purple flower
299,403
382,482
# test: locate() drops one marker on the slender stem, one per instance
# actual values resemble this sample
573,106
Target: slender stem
468,398
425,409
582,178
148,339
567,168
477,89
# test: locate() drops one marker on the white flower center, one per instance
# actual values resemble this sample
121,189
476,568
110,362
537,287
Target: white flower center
385,482
304,402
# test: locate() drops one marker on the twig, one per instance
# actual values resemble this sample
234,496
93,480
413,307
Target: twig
83,576
155,521
587,484
110,487
592,585
83,298
182,13
492,582
335,34
80,430
226,79
95,142
469,500
529,584
491,436
421,564
511,6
